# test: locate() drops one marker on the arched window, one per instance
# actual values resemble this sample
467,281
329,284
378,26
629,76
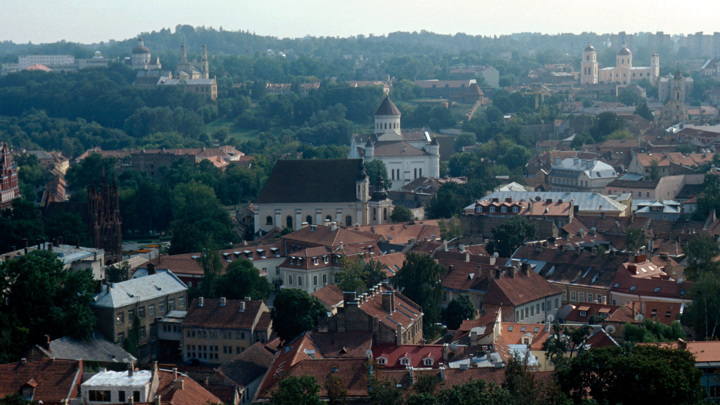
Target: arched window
268,220
308,219
288,221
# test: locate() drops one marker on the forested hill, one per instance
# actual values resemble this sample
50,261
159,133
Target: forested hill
166,42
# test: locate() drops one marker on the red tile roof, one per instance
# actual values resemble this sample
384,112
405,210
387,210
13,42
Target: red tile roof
416,355
330,295
54,380
214,315
406,311
185,391
526,286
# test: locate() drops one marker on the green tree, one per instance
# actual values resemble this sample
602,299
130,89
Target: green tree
292,390
639,374
701,253
38,297
294,312
117,273
451,228
384,392
709,198
605,124
703,315
420,280
634,239
212,266
511,234
652,331
377,173
89,172
336,388
358,276
401,214
20,225
474,392
198,218
645,112
458,310
242,279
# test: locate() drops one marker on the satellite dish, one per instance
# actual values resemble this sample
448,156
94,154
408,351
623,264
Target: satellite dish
639,317
610,329
550,318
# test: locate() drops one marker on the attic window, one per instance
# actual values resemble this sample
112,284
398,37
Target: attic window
583,313
428,361
657,289
382,361
516,209
522,329
405,361
537,329
616,285
682,292
633,288
510,328
667,314
315,260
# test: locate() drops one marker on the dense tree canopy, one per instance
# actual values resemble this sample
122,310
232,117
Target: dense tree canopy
294,312
458,310
419,280
40,297
242,279
511,234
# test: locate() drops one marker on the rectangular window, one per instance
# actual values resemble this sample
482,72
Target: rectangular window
136,396
121,396
582,297
142,332
99,396
131,315
315,280
181,302
171,304
121,338
141,312
532,311
572,296
557,305
161,307
324,279
151,309
590,297
290,280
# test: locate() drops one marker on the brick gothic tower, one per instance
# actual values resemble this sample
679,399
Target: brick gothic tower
105,223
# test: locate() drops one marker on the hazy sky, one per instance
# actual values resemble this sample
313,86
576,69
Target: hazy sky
89,21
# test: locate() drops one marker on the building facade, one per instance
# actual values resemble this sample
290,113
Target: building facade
623,73
406,156
9,185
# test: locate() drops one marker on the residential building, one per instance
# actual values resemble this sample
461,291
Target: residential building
312,191
97,349
74,257
584,203
521,295
623,73
548,215
62,63
641,280
390,316
119,305
246,370
668,163
574,174
9,185
407,156
52,381
216,330
313,254
665,187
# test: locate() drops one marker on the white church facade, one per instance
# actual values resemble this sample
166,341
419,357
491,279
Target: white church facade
623,73
407,156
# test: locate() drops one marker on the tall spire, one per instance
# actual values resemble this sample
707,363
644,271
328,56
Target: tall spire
205,63
183,55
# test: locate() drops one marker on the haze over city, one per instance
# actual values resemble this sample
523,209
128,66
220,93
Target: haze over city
44,21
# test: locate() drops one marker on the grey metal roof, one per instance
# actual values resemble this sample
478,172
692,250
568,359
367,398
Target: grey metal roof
585,201
96,349
140,289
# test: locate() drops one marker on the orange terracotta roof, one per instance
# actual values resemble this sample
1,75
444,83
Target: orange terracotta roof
526,286
54,380
330,295
214,315
189,392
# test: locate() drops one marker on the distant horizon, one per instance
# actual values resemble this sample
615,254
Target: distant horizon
85,22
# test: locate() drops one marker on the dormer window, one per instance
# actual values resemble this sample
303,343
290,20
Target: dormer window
633,288
382,361
657,289
492,209
583,313
405,361
503,209
315,261
516,209
428,361
326,259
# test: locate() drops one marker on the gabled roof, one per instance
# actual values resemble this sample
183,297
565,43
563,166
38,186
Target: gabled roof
56,380
95,349
325,236
342,344
415,354
330,295
527,286
396,148
212,314
310,181
191,393
139,290
247,366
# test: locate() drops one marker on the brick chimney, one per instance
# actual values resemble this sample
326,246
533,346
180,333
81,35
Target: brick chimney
223,301
201,301
388,301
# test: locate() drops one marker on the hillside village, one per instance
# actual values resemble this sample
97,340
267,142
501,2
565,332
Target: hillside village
547,222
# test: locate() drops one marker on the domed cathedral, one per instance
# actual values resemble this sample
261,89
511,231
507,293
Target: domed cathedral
407,155
195,70
142,59
623,73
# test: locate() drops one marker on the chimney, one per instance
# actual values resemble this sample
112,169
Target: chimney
201,302
525,268
151,269
349,296
682,344
131,369
450,269
223,301
388,301
179,384
446,351
248,299
174,374
46,345
242,306
498,272
513,272
442,373
473,338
